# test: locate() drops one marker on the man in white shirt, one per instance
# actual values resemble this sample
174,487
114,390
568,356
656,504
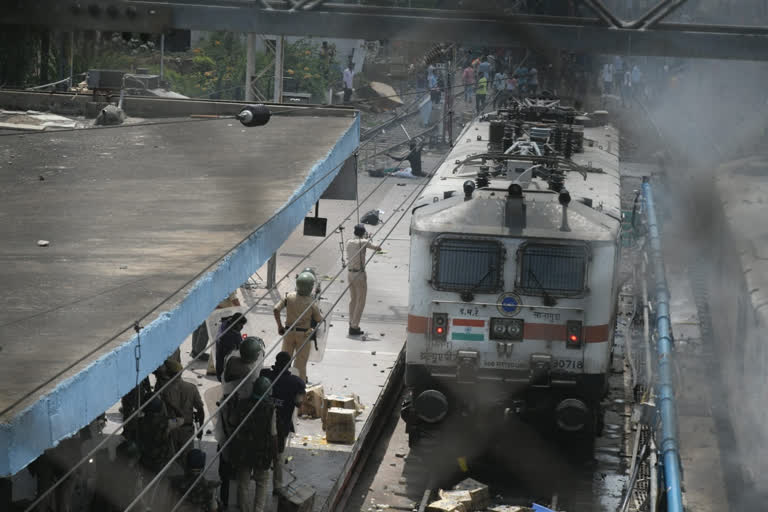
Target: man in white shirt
349,75
358,282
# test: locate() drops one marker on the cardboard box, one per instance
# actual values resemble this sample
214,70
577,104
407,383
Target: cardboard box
312,406
446,506
340,425
481,497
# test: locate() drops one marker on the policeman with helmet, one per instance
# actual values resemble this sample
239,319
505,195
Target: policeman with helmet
302,310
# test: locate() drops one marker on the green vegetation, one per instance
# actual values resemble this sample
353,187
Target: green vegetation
214,69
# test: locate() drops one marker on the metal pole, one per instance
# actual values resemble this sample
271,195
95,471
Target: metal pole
272,272
664,388
250,66
162,55
279,58
71,58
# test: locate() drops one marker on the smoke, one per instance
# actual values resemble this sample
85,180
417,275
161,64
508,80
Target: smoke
712,118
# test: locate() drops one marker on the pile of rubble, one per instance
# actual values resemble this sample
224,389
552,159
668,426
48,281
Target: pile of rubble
472,496
337,413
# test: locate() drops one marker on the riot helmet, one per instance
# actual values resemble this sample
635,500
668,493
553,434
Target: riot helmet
261,387
304,283
251,349
359,230
172,367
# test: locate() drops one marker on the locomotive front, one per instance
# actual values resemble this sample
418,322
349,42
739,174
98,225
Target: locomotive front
512,300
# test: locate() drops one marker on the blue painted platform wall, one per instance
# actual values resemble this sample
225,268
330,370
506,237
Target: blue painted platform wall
76,401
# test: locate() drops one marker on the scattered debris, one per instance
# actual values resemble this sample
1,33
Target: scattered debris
43,243
446,506
481,497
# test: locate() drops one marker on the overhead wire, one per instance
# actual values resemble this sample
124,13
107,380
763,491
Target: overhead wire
212,343
271,350
286,368
307,340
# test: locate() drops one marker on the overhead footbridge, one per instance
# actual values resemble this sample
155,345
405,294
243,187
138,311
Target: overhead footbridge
149,224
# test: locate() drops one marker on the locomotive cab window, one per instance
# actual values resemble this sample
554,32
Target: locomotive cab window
463,264
551,269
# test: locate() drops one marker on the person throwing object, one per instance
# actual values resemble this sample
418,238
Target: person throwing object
358,283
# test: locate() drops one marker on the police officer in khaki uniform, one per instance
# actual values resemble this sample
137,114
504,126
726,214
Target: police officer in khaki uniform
358,282
295,303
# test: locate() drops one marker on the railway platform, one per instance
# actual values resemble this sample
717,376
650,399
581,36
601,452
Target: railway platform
360,365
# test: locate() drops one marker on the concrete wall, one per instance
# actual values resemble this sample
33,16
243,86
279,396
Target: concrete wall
82,397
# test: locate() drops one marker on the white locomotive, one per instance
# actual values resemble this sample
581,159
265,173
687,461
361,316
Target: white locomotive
514,264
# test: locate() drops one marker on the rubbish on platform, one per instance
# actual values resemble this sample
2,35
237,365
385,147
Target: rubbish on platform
481,498
372,217
312,406
404,173
43,243
463,497
509,508
340,425
446,506
541,508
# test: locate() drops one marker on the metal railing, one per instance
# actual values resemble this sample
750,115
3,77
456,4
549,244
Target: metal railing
667,435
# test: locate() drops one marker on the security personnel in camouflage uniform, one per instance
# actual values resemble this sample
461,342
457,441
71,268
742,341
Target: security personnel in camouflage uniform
295,303
154,435
202,498
182,400
254,447
237,366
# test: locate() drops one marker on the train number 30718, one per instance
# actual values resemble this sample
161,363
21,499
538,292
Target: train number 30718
568,364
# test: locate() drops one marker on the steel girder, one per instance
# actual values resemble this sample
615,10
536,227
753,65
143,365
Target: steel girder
647,36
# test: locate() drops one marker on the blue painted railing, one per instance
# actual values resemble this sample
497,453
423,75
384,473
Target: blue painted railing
668,446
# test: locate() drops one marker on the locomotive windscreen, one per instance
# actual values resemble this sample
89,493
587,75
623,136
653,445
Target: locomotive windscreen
468,265
552,269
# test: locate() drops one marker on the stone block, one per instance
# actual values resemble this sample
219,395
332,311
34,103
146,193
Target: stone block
481,498
446,506
339,401
340,425
312,406
463,497
296,497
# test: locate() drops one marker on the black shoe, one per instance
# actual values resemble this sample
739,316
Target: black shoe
355,331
